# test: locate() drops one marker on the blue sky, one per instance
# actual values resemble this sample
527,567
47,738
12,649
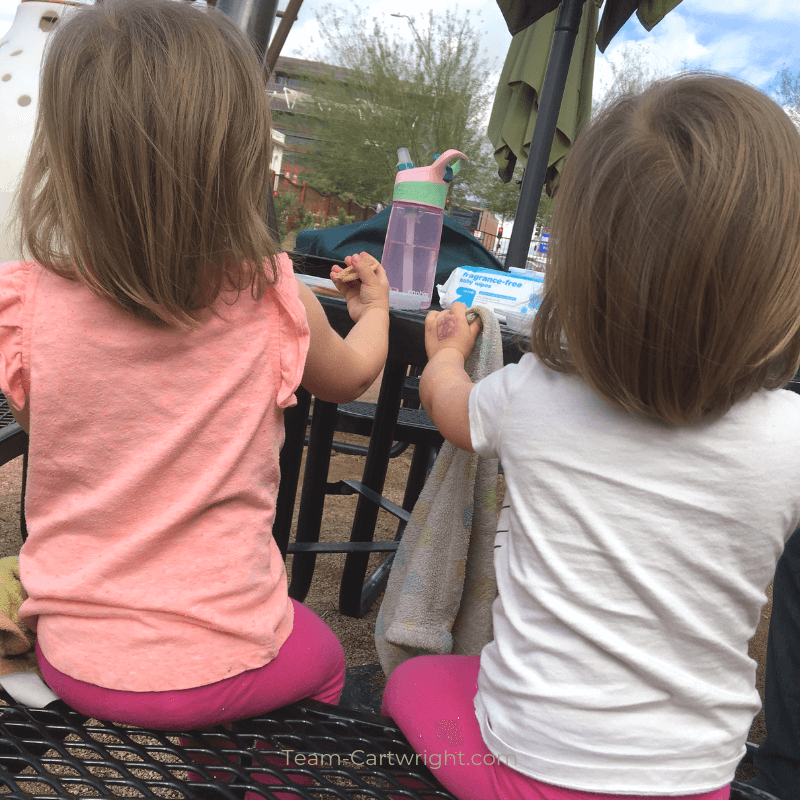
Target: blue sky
748,39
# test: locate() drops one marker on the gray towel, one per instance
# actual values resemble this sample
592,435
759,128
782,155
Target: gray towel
442,584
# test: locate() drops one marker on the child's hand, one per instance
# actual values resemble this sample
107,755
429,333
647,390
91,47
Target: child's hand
371,290
450,328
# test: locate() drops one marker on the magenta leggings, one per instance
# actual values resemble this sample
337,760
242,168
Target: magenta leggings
431,700
310,664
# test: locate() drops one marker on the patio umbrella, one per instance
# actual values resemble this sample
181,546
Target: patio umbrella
519,14
514,111
551,133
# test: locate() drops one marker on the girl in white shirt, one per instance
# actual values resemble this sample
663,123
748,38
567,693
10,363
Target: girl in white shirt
652,464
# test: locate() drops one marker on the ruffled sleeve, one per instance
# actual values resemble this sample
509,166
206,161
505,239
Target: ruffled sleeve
13,283
294,332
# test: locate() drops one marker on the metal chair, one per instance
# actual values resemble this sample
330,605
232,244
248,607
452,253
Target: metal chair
14,443
411,427
390,434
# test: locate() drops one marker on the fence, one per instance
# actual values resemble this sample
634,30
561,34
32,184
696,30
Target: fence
537,254
325,206
322,206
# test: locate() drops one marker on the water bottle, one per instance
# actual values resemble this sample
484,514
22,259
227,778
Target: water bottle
415,228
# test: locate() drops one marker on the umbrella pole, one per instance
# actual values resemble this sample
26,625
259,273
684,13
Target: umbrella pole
567,24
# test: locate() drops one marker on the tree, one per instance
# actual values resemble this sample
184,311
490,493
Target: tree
545,210
787,88
500,198
787,92
632,71
426,94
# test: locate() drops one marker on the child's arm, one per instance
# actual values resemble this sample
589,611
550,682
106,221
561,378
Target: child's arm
340,370
445,386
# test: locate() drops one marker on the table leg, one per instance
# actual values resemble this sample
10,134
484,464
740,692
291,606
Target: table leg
294,420
351,589
312,496
417,475
23,525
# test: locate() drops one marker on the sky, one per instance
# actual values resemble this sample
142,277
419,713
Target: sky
748,39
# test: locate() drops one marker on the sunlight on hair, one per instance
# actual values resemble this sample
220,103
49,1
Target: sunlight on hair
673,283
148,176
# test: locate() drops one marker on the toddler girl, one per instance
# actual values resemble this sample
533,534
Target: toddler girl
150,349
652,465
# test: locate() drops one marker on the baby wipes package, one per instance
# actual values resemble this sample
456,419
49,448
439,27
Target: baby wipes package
514,296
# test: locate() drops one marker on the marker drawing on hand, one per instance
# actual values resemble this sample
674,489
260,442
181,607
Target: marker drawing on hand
446,328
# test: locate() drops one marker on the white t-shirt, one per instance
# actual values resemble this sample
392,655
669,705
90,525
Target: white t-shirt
631,578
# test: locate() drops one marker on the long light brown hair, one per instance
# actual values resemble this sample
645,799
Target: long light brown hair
148,174
673,281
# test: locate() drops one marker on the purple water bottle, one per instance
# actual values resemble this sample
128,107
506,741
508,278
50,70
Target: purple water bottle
415,228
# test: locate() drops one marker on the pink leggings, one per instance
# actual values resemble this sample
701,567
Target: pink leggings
310,664
431,700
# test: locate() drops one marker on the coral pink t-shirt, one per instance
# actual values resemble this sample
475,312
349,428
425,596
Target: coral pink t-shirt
152,479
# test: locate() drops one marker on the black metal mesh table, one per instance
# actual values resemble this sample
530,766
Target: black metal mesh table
56,752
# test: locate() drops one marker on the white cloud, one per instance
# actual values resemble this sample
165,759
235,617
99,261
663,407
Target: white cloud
744,52
674,39
753,9
305,40
666,49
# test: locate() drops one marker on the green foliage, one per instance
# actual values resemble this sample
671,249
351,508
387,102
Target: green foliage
545,211
787,88
291,215
340,219
500,198
426,94
633,71
294,217
282,203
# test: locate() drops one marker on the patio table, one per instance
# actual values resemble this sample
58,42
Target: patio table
406,349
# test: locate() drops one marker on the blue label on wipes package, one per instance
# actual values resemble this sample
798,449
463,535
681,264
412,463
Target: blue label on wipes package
503,292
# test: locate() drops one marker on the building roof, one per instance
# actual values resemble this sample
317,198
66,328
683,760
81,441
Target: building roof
298,69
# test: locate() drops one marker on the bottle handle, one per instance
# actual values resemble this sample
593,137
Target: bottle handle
440,166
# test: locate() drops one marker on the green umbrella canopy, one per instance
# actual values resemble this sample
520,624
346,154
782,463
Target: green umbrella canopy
520,14
532,24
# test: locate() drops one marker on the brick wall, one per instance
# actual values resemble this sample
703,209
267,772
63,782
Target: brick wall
324,205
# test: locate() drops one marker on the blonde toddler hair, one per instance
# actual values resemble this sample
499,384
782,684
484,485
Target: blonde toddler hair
673,281
148,174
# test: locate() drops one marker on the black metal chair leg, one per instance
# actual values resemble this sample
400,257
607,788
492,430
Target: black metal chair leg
376,583
417,474
294,421
366,516
23,525
312,496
